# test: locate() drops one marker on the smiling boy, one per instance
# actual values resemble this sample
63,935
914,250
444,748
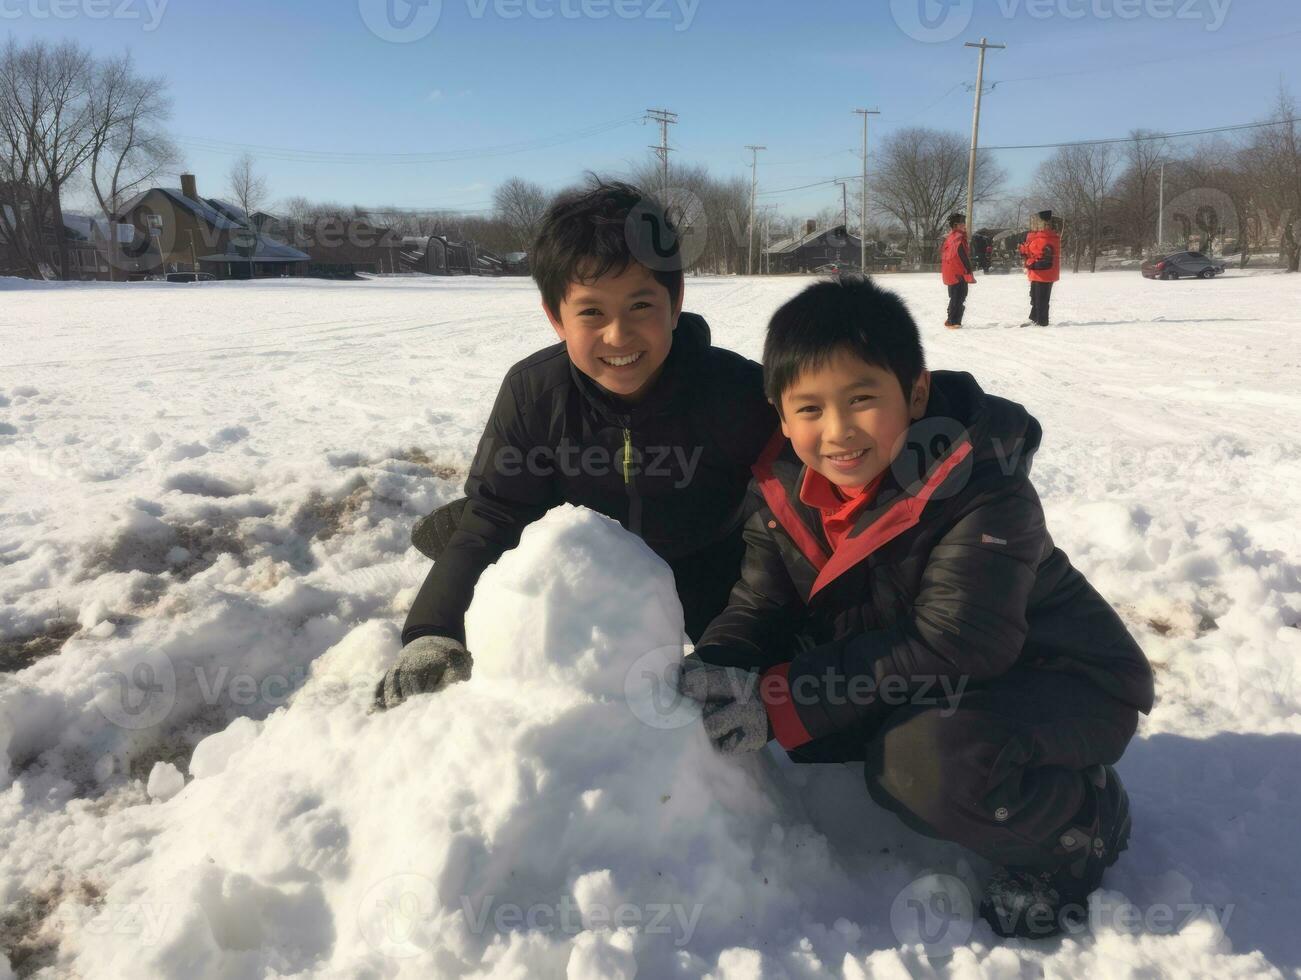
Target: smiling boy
905,605
633,414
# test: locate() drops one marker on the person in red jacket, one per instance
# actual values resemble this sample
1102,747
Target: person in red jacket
955,268
1043,265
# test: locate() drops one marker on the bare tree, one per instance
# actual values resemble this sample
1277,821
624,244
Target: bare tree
521,204
249,189
1081,179
247,186
1274,160
46,129
129,148
922,179
1137,188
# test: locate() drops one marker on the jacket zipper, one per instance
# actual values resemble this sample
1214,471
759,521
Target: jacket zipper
634,499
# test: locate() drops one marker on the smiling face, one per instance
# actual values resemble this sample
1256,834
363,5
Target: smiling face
618,329
845,418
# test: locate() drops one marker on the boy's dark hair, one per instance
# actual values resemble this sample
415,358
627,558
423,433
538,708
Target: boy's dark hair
957,218
851,314
601,228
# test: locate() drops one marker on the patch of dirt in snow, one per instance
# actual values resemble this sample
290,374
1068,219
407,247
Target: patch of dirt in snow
182,549
28,936
18,652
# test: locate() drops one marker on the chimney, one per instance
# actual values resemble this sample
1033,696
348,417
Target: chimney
810,226
188,187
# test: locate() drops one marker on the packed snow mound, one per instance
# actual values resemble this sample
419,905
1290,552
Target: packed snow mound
560,811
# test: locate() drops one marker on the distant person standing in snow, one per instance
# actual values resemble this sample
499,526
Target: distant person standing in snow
1042,251
956,270
634,414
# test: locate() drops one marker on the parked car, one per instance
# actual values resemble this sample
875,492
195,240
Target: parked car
1182,264
190,277
830,269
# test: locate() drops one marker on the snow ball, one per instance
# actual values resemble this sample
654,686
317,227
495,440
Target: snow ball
165,781
213,753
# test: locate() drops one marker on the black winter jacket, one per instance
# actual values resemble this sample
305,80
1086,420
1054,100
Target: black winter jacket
672,469
949,576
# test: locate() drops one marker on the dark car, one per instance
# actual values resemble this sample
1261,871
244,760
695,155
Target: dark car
190,277
1183,265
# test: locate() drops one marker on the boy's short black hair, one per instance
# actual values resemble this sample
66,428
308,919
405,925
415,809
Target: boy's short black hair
851,314
601,228
957,218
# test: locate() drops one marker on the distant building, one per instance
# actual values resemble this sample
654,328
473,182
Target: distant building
183,232
815,249
437,256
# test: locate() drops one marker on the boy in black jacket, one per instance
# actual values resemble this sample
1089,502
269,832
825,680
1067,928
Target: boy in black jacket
632,414
901,602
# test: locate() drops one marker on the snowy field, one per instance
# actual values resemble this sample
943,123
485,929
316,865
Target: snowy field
204,566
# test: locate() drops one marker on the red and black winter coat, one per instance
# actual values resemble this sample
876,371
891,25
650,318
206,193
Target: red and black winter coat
950,573
1043,255
955,260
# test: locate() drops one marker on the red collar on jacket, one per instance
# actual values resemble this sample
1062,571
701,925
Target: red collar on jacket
838,512
898,517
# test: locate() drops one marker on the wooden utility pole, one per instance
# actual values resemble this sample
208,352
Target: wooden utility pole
984,45
754,187
665,119
862,225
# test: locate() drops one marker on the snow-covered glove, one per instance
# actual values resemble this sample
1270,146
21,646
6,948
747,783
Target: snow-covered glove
730,706
426,665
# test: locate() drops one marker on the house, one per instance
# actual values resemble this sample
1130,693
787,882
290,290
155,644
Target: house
338,247
814,249
188,233
437,256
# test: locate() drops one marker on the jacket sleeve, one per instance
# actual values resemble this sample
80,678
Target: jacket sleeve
967,624
1045,260
509,487
965,258
757,627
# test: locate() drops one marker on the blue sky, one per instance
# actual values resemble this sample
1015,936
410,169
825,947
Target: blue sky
313,76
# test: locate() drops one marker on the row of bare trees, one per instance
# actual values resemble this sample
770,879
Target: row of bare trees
1237,196
67,116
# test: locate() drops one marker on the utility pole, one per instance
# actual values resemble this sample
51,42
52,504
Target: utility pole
754,187
844,205
862,226
665,119
1160,214
975,129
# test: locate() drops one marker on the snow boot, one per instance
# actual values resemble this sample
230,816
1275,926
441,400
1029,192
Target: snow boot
1031,904
953,326
431,533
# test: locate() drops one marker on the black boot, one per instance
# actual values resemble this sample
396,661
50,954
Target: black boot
430,534
1032,904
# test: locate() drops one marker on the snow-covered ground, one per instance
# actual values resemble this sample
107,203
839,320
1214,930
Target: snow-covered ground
206,501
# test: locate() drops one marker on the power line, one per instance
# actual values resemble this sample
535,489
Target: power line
299,155
1153,137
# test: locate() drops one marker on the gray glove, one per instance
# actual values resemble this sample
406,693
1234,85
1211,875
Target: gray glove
426,665
730,706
